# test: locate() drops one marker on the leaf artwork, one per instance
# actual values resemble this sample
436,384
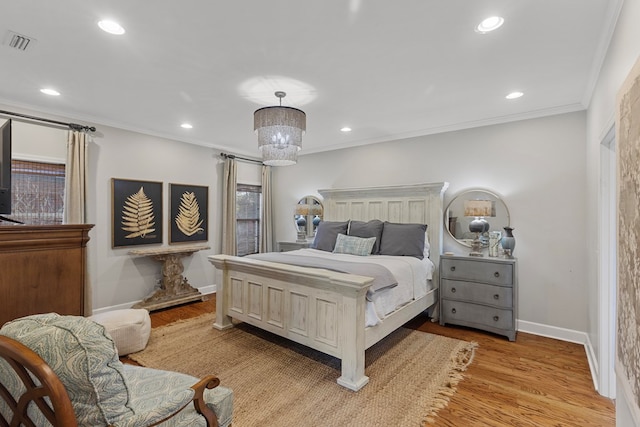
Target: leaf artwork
137,215
188,218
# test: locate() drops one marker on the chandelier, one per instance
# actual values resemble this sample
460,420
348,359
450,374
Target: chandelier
279,131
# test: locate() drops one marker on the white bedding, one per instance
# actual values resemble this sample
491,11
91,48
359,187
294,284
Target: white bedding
413,276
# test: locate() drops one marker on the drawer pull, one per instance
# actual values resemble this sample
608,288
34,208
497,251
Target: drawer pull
453,290
496,274
453,268
496,296
496,318
453,310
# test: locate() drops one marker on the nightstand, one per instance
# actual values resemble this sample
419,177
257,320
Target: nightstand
480,293
292,246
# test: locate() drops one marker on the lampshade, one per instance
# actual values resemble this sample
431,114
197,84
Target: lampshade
479,208
279,131
315,209
302,209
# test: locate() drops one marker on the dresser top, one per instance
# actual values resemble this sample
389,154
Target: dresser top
479,258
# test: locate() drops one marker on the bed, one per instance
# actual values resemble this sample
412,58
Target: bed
326,309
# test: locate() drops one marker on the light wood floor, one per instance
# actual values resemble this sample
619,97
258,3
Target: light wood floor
533,381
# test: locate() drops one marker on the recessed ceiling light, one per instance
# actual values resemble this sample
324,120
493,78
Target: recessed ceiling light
345,129
111,27
514,95
186,126
490,24
49,91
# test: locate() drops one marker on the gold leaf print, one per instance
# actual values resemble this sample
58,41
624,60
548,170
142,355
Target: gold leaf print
137,215
188,218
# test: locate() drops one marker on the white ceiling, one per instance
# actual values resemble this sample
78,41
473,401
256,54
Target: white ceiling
388,69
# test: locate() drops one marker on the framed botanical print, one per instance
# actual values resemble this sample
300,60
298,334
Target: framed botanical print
136,212
188,213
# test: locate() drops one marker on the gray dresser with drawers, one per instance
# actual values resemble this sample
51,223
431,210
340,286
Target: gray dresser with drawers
480,293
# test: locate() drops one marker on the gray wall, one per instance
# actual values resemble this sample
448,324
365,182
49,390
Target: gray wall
538,166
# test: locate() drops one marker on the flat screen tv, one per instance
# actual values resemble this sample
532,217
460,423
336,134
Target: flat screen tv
5,168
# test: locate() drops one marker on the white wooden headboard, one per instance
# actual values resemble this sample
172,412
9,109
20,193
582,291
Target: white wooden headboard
416,203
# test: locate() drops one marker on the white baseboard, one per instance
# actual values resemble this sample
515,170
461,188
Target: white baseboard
555,332
204,290
593,365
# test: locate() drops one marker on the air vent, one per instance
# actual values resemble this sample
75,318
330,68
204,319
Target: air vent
18,41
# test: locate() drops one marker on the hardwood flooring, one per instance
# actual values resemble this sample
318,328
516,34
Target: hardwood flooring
534,381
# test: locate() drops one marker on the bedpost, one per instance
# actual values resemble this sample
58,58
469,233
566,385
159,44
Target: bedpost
353,340
222,292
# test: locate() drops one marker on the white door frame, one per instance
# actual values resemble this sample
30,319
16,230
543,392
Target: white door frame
607,239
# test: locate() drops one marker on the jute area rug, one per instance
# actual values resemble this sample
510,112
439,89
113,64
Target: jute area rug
279,383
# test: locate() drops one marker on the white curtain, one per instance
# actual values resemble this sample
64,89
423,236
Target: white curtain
75,190
75,198
266,225
229,243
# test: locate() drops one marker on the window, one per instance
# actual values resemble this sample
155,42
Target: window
37,192
248,202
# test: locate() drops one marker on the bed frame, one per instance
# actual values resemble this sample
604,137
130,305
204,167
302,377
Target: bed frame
322,309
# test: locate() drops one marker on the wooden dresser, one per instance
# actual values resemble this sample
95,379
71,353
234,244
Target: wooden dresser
42,269
480,293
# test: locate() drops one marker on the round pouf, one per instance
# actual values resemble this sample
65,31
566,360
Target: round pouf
129,328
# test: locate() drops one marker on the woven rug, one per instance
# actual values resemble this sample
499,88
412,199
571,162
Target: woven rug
277,382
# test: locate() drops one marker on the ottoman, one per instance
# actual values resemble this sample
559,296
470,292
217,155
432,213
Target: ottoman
129,328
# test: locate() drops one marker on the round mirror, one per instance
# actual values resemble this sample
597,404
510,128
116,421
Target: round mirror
307,216
473,214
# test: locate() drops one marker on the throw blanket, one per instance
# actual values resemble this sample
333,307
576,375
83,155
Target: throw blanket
382,277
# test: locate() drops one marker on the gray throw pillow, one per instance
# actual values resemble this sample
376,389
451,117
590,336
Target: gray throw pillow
403,239
327,233
371,228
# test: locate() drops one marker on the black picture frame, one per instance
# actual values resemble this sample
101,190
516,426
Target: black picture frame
136,212
188,213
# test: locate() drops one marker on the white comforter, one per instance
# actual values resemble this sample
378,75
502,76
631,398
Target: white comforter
413,275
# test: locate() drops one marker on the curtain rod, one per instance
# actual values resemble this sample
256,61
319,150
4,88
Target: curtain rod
72,126
233,156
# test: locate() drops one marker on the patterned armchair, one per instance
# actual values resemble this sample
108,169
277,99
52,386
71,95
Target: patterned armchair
74,363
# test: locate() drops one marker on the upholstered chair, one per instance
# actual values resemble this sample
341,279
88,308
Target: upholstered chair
78,354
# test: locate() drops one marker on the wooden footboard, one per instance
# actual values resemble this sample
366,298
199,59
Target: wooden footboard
320,309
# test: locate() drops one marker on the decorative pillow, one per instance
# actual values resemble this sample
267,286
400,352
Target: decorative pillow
371,228
353,245
85,359
403,239
326,234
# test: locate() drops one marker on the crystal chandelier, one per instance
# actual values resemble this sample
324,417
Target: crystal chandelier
280,131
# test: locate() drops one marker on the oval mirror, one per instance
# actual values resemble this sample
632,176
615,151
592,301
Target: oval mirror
307,216
472,205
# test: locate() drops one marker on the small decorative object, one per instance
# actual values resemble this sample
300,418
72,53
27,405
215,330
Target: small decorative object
508,242
301,221
494,243
316,220
479,209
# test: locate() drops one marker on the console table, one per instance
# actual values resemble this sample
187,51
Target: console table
174,287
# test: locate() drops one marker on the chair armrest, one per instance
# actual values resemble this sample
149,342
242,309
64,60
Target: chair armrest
208,382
